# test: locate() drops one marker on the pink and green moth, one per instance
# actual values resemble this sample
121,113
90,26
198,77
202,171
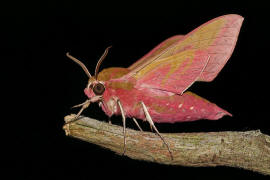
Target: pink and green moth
154,88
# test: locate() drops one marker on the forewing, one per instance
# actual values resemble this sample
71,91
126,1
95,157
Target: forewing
198,56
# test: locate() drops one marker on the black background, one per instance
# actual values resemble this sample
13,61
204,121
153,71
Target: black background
45,83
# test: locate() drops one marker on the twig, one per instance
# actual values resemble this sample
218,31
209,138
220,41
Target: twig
249,150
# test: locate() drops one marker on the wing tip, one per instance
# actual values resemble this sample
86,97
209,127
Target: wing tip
236,16
233,17
209,77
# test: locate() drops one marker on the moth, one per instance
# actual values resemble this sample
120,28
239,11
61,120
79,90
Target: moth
154,88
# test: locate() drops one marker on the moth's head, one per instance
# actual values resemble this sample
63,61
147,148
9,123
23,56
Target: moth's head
94,87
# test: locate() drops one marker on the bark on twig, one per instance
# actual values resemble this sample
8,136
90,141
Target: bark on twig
249,150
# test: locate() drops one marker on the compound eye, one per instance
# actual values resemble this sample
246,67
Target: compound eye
99,89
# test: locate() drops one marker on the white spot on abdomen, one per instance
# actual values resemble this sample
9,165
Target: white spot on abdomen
191,108
180,105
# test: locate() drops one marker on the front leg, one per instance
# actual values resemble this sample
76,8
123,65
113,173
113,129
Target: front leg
83,106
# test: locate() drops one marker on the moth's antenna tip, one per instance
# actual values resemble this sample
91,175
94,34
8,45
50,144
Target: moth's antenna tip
67,54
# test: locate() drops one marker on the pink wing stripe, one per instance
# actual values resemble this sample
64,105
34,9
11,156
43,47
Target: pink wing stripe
181,78
164,43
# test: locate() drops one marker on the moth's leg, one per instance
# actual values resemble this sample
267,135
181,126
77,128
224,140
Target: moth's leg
151,127
109,119
124,123
104,104
79,105
137,124
149,119
84,106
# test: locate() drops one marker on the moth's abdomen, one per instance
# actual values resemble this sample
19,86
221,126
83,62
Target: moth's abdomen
163,107
188,107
